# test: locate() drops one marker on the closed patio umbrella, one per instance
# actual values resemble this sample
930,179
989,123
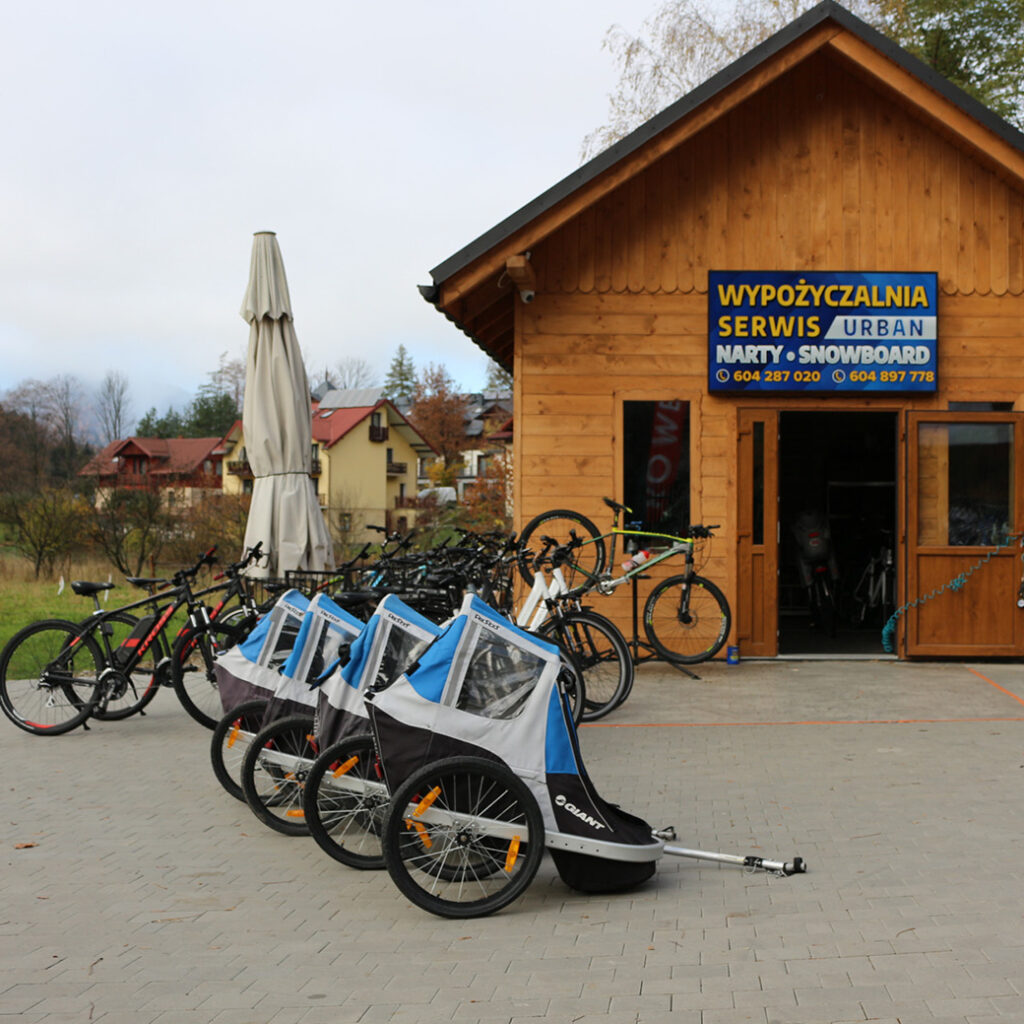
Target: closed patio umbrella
285,513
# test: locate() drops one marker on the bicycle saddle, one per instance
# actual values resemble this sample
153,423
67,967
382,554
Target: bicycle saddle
145,581
86,589
616,506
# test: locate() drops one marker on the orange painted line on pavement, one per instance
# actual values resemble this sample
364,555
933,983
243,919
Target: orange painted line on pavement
833,721
992,682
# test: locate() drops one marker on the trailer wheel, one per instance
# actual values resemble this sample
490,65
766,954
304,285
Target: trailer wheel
463,837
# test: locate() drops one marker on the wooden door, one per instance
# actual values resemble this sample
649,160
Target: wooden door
964,495
756,605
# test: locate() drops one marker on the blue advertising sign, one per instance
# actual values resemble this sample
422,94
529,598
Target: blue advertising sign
822,331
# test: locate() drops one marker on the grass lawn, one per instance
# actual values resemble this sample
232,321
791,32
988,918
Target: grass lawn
24,599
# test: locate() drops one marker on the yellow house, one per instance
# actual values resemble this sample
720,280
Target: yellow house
365,456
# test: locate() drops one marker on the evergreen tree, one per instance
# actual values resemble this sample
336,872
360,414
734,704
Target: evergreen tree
400,382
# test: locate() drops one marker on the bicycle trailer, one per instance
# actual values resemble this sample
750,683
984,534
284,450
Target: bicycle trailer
250,670
389,642
480,754
345,799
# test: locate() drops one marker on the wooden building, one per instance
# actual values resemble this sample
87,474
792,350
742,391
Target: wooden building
828,165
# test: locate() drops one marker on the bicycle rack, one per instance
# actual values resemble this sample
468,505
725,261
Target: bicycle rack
635,644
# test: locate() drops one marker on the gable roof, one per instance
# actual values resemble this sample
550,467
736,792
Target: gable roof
332,423
877,57
351,398
172,456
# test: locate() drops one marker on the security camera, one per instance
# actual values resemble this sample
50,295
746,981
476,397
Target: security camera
527,294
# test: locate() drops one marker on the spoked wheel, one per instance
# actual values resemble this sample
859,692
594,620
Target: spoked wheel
571,679
124,693
346,803
602,656
232,738
687,619
585,563
49,677
192,672
463,837
274,773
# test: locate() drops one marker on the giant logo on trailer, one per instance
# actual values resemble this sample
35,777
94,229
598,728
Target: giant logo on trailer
821,331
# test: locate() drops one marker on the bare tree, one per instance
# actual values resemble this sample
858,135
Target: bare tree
354,372
45,525
977,44
114,412
56,406
229,377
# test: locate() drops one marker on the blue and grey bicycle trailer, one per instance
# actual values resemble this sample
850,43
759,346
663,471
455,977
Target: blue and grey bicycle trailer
479,753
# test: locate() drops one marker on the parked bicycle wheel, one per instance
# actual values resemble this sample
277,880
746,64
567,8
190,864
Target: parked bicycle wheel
232,737
274,773
584,564
125,691
192,674
687,619
602,656
824,613
574,686
49,677
346,802
463,837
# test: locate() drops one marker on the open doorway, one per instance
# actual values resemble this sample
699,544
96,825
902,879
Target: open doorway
837,530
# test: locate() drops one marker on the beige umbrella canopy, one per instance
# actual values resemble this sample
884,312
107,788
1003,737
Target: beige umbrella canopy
285,513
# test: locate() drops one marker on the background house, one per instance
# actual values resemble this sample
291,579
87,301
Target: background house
364,461
185,468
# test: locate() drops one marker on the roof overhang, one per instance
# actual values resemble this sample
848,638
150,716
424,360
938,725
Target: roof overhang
473,287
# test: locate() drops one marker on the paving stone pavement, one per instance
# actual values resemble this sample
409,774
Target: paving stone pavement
136,890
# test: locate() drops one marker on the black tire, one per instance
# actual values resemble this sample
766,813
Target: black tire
49,677
346,803
480,861
692,634
601,654
232,737
574,686
825,601
587,562
192,660
128,693
274,773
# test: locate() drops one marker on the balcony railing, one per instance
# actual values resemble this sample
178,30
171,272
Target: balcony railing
397,468
378,433
241,467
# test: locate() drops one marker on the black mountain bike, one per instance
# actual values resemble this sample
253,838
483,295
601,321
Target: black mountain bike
56,674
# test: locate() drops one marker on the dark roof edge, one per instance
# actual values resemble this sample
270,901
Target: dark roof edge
827,9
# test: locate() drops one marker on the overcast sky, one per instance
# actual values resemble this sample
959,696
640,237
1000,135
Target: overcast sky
143,144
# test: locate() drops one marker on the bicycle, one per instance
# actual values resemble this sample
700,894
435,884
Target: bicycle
875,593
595,644
209,632
686,617
48,686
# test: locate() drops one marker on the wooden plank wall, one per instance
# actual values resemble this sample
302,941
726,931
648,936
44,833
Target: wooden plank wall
815,172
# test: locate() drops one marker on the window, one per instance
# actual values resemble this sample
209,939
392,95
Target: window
965,483
656,474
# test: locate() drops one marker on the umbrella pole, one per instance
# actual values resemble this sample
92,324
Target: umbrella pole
796,866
